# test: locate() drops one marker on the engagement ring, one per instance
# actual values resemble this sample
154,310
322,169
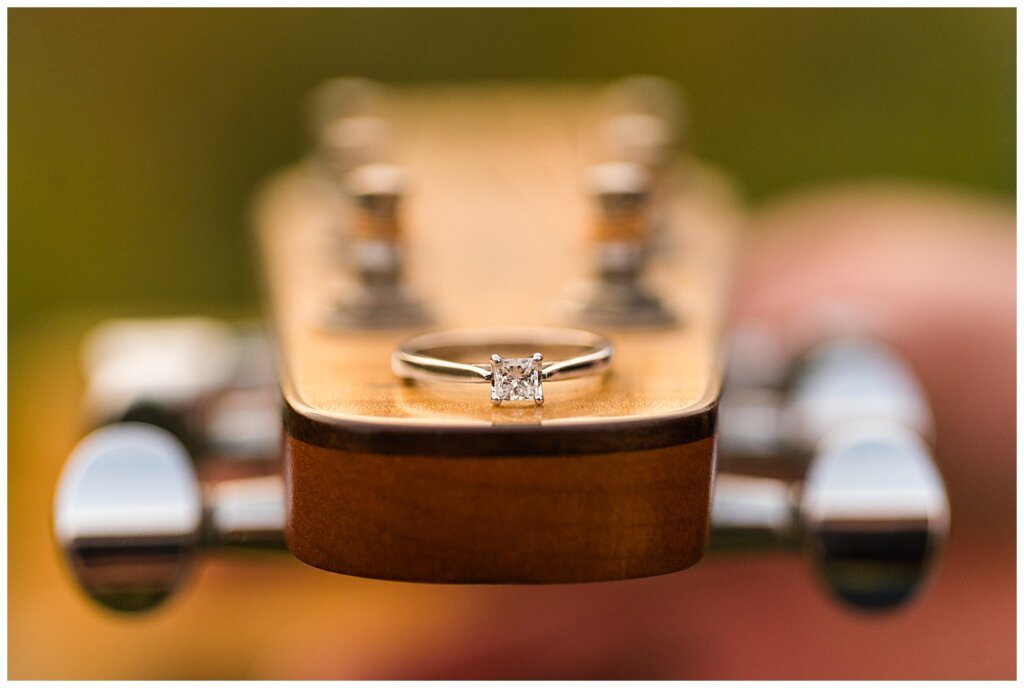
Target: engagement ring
460,355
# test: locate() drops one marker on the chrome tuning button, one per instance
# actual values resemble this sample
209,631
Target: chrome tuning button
211,384
873,513
130,515
835,463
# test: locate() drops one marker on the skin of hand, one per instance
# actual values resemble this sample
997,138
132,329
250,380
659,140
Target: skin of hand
932,272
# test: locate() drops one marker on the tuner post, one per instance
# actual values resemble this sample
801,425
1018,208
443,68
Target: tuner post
373,254
376,191
347,125
621,197
615,295
645,121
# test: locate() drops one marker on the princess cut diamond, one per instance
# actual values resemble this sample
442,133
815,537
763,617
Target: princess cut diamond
516,379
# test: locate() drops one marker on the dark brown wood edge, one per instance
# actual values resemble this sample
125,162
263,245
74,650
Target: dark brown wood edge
505,440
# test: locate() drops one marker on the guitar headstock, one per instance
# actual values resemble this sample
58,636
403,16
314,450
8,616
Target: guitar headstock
483,208
440,208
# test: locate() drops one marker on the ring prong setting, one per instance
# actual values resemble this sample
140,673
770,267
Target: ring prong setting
516,379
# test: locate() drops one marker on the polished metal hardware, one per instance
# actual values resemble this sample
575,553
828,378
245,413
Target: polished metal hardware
646,118
871,512
352,162
373,255
211,384
348,125
615,294
130,514
834,450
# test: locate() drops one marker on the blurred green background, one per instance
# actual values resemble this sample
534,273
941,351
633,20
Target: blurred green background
136,137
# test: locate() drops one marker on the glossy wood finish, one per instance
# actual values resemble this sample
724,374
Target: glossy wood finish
430,482
536,519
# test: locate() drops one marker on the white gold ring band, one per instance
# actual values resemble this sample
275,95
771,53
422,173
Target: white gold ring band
446,356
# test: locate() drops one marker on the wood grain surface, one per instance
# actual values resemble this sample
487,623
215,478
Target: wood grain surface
550,519
496,228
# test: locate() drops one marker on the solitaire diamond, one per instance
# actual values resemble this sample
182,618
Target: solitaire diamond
516,379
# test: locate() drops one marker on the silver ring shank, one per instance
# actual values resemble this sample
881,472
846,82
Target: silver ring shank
411,359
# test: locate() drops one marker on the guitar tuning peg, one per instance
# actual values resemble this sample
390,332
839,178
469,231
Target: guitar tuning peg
851,377
130,515
647,93
353,138
347,123
860,491
374,254
377,190
615,295
621,193
873,513
646,118
196,377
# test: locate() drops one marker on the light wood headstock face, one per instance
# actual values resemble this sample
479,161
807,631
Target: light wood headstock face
610,478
